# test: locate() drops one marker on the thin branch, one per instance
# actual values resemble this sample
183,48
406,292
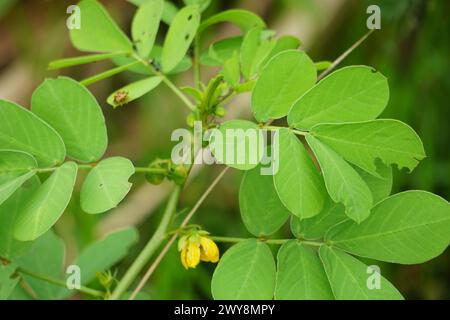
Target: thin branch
197,71
166,80
61,283
153,244
166,248
344,55
269,241
90,166
107,73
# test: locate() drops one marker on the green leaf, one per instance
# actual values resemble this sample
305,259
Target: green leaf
98,31
351,94
45,257
282,44
261,210
169,12
285,78
16,167
145,26
179,37
243,18
103,255
47,204
361,143
298,182
350,279
379,186
75,114
254,50
334,213
409,227
203,4
24,131
7,280
106,185
221,51
316,227
133,91
75,61
231,70
343,183
322,65
245,272
300,275
237,144
169,9
10,248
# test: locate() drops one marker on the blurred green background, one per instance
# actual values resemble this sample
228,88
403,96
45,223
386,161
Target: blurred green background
412,49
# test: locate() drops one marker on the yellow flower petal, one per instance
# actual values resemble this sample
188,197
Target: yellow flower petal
209,250
183,258
192,255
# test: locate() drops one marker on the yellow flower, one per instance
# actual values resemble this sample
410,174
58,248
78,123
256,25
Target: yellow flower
208,250
193,247
190,255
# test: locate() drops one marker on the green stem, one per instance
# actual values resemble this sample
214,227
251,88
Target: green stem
90,166
61,283
108,73
197,71
269,241
148,251
297,132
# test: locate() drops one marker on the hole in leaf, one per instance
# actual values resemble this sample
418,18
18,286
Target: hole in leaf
190,17
100,185
374,70
186,37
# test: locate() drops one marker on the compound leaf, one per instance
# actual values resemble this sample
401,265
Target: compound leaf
106,185
75,114
245,272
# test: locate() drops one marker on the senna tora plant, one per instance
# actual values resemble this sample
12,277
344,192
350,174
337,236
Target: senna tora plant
332,183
